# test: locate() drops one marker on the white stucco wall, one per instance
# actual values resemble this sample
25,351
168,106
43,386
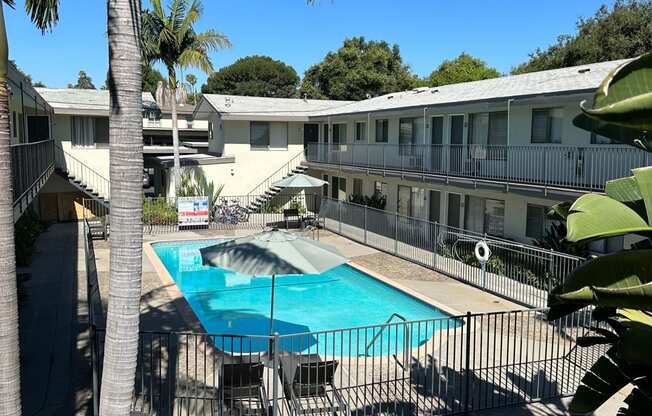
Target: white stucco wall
252,165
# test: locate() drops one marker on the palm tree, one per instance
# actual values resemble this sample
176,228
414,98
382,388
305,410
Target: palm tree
126,167
172,40
192,80
44,14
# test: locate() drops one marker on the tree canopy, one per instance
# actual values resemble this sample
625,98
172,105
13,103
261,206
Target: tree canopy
151,77
464,68
625,31
357,69
254,76
84,82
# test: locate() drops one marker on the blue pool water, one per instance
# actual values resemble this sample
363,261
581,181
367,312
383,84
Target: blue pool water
232,303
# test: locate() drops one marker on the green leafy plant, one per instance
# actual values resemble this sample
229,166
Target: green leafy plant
159,211
26,231
376,200
554,238
617,285
194,183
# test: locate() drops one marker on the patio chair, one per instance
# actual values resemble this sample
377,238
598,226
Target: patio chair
308,384
241,389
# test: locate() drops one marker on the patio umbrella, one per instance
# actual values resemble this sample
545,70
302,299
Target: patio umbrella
270,253
300,181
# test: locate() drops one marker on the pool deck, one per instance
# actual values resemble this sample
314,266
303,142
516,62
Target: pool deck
164,308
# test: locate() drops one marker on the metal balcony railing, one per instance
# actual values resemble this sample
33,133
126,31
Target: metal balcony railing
556,166
32,164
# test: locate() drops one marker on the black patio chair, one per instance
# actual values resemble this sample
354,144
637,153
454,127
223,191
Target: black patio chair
308,384
241,389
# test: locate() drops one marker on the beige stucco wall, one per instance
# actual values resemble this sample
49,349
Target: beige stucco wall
252,165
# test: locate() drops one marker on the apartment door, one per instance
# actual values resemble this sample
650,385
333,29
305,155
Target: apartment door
310,136
404,202
436,142
457,143
435,206
454,210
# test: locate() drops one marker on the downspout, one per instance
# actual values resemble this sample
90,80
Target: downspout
368,128
509,106
425,109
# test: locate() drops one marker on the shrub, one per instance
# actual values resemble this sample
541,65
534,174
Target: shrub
159,212
26,231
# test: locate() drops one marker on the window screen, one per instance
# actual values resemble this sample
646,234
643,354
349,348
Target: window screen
546,125
259,134
535,222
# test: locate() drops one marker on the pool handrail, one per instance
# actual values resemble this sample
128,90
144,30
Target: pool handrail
406,338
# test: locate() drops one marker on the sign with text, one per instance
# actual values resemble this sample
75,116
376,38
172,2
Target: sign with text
192,210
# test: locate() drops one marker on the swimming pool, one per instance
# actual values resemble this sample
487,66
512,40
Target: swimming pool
226,302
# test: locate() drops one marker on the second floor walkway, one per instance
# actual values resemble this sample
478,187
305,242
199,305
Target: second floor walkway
569,168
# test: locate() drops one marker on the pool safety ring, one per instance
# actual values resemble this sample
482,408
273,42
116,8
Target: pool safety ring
482,252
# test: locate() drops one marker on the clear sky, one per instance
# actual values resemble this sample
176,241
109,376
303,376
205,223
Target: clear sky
502,32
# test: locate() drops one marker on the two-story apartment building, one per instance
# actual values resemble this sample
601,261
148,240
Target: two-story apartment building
487,156
258,135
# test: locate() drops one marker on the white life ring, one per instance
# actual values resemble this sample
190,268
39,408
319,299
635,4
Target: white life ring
482,251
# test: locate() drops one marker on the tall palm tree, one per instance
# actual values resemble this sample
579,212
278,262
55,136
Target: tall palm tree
44,14
172,40
126,167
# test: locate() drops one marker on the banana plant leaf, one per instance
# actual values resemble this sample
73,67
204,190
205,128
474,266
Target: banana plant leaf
603,380
633,137
624,97
620,280
643,178
625,362
594,216
559,211
638,401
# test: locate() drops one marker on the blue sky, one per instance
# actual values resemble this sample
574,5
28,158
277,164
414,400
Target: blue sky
502,32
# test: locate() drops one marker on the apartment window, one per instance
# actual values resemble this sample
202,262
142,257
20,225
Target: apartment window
88,131
382,131
360,131
339,133
259,134
546,125
406,131
357,186
536,221
14,124
484,215
597,139
488,129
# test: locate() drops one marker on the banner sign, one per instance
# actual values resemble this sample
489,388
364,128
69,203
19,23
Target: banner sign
192,210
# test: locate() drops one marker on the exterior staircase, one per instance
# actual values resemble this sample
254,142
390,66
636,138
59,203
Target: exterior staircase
266,191
92,184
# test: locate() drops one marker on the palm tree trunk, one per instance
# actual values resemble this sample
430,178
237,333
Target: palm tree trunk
9,357
126,243
176,174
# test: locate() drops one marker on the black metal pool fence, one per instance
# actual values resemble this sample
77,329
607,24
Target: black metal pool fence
448,365
437,366
519,272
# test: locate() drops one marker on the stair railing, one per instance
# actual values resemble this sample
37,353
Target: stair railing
82,173
279,174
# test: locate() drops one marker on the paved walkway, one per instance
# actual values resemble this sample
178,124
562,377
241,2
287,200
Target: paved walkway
53,339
